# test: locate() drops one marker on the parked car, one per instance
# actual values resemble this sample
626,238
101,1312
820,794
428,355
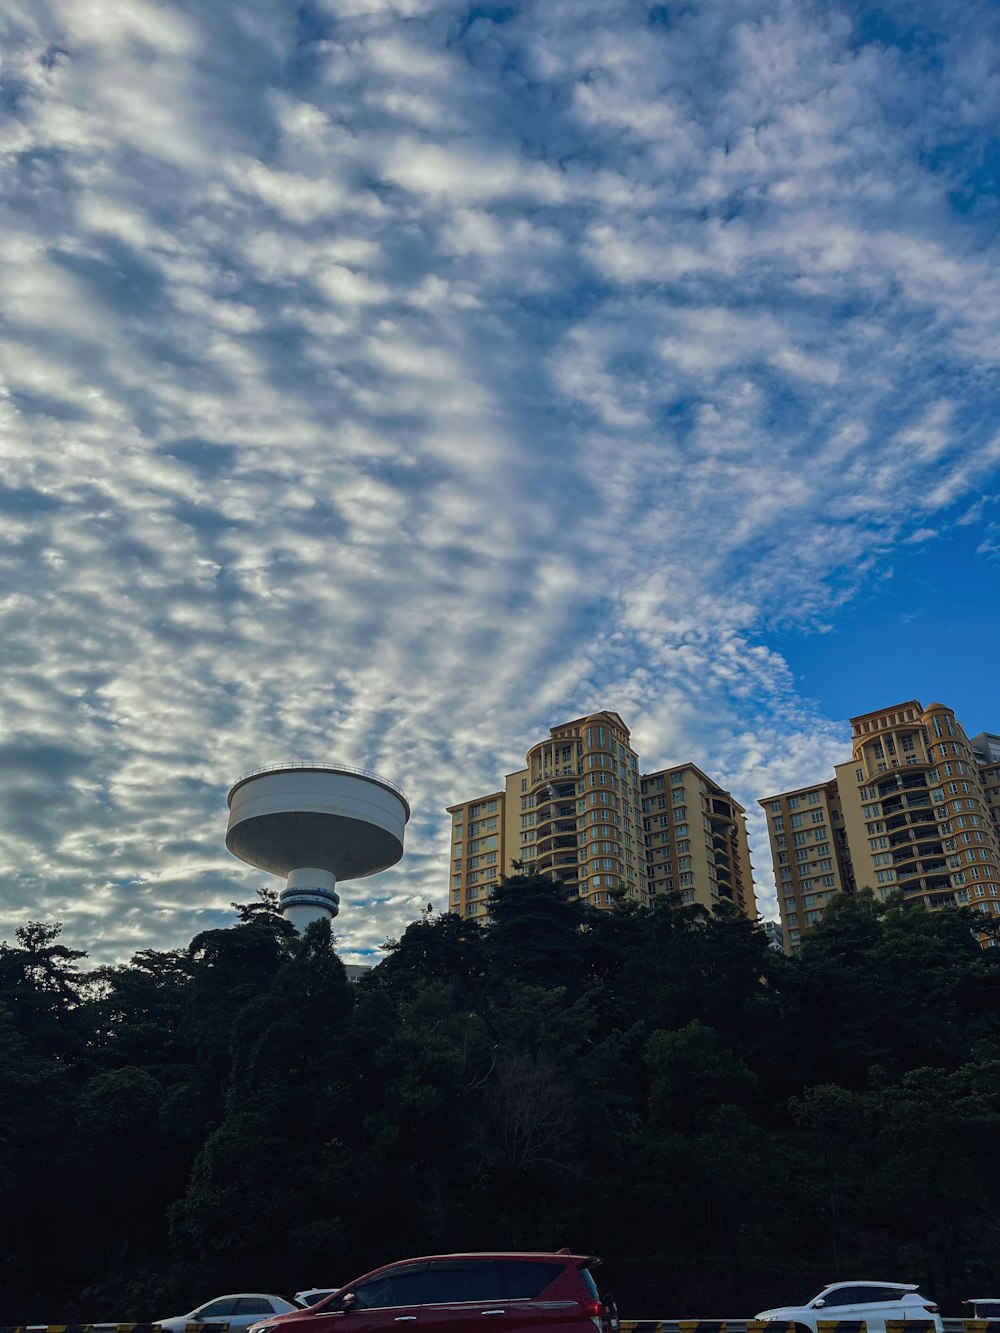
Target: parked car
454,1293
313,1295
874,1302
238,1311
984,1307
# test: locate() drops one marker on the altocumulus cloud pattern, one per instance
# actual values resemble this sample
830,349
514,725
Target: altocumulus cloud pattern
387,380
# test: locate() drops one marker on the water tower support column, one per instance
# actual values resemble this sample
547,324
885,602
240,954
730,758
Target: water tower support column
308,896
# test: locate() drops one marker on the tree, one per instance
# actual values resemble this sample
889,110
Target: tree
445,947
534,935
44,990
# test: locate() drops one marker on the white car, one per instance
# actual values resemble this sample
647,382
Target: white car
313,1295
238,1311
874,1302
984,1307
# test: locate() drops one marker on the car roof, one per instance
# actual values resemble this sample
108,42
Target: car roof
870,1282
231,1295
506,1254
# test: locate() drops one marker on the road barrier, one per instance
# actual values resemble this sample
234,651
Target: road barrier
108,1328
626,1326
780,1326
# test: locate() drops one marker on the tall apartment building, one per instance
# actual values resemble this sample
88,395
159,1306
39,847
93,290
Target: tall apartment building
915,806
580,811
986,748
696,840
812,861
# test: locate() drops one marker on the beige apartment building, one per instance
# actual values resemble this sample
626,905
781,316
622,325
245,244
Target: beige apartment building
811,858
580,811
986,748
918,814
696,840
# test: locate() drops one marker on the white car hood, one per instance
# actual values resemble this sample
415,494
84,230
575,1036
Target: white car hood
784,1312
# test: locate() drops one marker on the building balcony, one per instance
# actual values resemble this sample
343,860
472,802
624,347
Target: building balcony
929,849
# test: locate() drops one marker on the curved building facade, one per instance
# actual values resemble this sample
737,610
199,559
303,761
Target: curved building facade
581,811
916,810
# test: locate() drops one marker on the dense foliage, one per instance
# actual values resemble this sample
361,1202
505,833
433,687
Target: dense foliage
728,1128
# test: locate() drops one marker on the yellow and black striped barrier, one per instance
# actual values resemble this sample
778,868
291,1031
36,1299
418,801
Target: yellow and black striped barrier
84,1328
669,1325
625,1325
108,1328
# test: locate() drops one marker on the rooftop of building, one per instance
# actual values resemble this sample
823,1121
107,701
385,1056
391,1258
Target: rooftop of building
613,718
892,708
475,800
802,791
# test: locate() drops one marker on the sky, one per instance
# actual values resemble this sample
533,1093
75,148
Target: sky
384,382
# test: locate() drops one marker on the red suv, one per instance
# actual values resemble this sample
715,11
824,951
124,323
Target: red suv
459,1293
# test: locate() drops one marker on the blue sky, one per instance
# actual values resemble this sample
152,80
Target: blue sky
385,381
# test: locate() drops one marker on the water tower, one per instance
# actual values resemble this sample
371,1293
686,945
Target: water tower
315,824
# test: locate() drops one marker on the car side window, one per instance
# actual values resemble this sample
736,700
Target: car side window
407,1286
523,1281
253,1305
876,1295
454,1280
842,1296
216,1309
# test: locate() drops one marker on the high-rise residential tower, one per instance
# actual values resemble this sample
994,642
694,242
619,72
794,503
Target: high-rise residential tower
580,811
986,748
811,858
918,807
696,840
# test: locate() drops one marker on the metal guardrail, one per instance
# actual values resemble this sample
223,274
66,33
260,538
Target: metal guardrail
625,1325
110,1328
775,1326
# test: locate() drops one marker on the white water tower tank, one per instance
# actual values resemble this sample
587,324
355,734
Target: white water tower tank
315,824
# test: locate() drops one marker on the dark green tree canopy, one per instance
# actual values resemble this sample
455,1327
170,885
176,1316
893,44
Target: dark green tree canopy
656,1086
